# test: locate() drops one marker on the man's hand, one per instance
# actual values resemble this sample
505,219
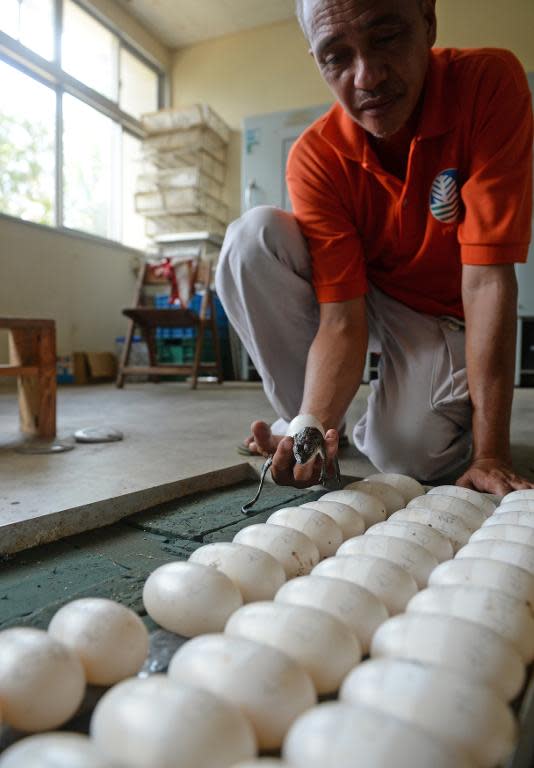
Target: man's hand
284,469
492,476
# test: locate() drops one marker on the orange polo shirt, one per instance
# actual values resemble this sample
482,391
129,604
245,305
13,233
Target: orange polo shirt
466,198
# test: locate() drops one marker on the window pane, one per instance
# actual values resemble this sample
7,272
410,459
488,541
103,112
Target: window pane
138,86
31,22
133,224
37,26
9,18
89,51
91,175
27,147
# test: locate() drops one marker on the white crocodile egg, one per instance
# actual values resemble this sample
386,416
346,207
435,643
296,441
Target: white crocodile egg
54,750
337,735
408,554
190,599
390,583
320,528
268,686
470,649
42,682
391,497
472,516
433,541
317,641
350,522
160,723
455,709
110,639
257,574
295,551
369,507
480,500
409,487
357,607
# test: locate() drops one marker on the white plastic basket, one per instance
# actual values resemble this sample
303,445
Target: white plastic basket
185,200
183,118
154,159
193,140
177,178
196,222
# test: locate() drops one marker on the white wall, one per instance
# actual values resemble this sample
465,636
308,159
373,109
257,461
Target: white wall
81,283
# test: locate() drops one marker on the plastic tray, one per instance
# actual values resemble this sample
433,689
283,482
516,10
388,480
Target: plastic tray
192,140
178,201
170,223
179,178
183,118
154,159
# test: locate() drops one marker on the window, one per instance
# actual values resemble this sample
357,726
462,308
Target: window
133,223
90,142
138,86
31,22
27,147
70,120
89,51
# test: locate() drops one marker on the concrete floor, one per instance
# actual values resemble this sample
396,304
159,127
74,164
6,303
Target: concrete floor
176,441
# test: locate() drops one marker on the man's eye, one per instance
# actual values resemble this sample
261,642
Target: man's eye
332,60
386,39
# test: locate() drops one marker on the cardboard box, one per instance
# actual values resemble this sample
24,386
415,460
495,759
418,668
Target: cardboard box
101,365
81,372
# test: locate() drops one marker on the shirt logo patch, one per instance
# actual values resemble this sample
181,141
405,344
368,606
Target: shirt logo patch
445,196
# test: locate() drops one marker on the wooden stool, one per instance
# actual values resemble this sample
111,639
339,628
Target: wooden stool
32,359
149,318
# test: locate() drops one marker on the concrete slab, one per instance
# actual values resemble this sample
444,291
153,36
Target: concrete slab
176,441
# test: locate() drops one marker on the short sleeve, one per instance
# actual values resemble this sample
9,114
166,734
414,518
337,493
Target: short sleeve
498,192
321,203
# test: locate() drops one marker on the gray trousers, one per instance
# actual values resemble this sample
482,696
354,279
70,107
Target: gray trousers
418,417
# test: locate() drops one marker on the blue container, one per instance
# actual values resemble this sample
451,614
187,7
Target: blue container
162,302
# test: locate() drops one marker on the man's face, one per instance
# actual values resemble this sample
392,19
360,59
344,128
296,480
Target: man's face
373,55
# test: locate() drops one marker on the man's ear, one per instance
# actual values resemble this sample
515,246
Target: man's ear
428,8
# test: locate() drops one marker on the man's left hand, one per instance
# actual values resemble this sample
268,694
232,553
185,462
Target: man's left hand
493,476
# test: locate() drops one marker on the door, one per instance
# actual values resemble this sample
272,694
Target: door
267,141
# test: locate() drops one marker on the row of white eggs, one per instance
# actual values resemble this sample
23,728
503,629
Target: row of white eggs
296,591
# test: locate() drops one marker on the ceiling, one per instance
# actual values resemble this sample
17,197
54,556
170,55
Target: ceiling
177,23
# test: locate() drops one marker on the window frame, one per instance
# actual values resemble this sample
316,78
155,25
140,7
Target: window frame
51,74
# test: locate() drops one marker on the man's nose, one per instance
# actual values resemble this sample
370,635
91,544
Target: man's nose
369,72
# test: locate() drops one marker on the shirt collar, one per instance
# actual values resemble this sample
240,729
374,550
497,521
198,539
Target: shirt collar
438,116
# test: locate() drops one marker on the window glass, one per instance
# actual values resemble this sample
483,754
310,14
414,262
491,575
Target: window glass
138,86
31,22
89,51
133,231
27,147
91,169
10,17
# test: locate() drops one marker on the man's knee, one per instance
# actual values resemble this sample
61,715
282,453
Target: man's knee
260,225
426,455
260,234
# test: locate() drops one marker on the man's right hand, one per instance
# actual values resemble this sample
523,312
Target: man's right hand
284,469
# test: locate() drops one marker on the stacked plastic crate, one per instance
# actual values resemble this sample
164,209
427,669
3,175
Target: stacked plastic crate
180,188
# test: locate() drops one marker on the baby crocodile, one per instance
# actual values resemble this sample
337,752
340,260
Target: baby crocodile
308,442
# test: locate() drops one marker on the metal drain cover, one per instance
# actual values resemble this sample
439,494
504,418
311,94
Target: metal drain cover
98,435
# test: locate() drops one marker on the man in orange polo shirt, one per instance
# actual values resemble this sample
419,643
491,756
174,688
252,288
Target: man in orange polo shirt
412,202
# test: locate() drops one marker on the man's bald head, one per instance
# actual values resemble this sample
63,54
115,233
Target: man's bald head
299,11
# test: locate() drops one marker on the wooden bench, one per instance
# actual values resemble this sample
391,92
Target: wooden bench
32,359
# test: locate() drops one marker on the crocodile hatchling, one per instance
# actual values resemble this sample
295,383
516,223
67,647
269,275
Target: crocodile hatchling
308,441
